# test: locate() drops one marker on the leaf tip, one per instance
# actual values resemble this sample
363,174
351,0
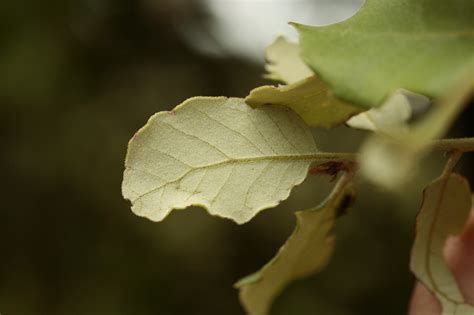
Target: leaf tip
249,279
298,26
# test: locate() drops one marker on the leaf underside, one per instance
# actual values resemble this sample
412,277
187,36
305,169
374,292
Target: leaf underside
306,251
305,93
309,98
284,63
421,46
217,153
444,212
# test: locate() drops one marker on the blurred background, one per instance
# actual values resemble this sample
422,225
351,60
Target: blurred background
77,79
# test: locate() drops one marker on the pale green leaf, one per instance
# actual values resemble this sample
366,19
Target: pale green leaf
220,154
387,162
444,113
392,117
305,94
307,251
389,159
309,98
421,46
444,212
284,62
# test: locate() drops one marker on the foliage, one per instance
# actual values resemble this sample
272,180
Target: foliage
390,159
306,251
284,63
305,93
309,98
393,115
236,160
220,154
445,209
422,46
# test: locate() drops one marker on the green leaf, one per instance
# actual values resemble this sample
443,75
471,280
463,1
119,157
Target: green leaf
444,212
389,159
309,98
438,121
305,94
284,62
220,154
307,251
421,46
392,117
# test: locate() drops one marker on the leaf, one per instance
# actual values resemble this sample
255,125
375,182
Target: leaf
284,62
220,154
392,117
444,212
421,46
309,98
386,162
305,94
444,113
306,251
389,160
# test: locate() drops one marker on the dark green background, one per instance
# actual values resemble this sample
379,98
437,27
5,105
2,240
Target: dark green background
77,79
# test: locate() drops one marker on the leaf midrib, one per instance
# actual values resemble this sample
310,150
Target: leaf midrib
432,278
323,156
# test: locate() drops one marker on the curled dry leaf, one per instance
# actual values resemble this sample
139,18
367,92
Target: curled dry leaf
306,251
444,212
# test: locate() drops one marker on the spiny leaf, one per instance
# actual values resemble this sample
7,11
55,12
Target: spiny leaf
444,212
309,98
389,160
307,251
284,63
220,154
421,46
392,117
